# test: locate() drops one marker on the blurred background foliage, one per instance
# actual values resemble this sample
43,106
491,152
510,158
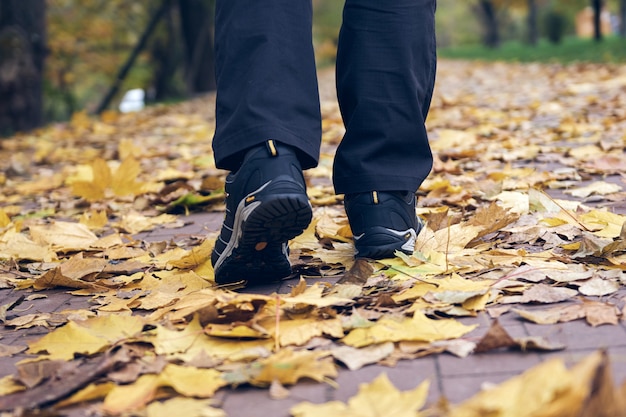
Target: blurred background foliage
97,49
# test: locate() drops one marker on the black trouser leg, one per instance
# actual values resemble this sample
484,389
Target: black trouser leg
385,78
266,80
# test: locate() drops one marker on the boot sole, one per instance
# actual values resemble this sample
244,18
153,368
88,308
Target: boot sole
258,255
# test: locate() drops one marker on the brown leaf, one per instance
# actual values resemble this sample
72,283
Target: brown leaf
77,272
495,338
537,343
278,391
604,399
65,380
596,313
599,313
492,218
10,350
543,293
299,289
32,374
360,271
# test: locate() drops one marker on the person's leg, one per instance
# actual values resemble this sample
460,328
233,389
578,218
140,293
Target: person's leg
386,63
268,128
266,79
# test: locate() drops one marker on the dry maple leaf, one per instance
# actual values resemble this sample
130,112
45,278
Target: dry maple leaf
122,182
378,398
549,389
417,328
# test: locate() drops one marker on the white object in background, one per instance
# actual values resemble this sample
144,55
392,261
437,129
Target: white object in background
133,100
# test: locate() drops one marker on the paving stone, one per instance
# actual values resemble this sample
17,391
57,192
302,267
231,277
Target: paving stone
493,362
77,303
508,318
256,402
52,299
406,375
190,230
8,294
265,289
457,389
7,364
580,335
7,335
617,358
197,224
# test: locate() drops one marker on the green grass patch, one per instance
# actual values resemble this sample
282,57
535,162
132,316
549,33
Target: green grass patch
610,50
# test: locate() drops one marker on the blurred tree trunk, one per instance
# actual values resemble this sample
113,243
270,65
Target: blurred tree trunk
622,12
22,55
197,21
533,34
486,11
597,19
165,55
141,44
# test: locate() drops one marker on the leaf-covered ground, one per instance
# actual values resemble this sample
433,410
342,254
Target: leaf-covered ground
525,206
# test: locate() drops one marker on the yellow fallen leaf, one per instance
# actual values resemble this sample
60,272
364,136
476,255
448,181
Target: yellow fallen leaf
192,341
8,385
450,139
453,283
133,396
451,239
134,223
288,367
297,332
195,257
108,241
124,181
314,296
547,390
87,336
420,264
417,328
94,219
92,184
15,245
378,398
598,187
553,221
192,382
80,339
4,219
123,252
206,271
187,381
355,359
64,236
234,331
127,148
330,221
77,272
307,239
89,393
604,223
179,406
517,202
477,303
168,341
